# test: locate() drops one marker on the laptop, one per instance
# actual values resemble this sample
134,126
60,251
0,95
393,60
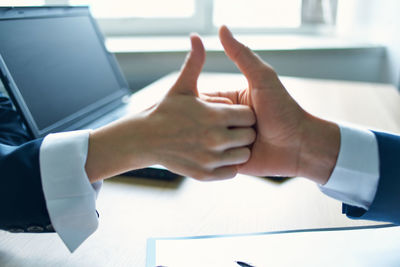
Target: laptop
56,69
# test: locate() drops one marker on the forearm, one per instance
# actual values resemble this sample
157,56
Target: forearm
117,148
319,150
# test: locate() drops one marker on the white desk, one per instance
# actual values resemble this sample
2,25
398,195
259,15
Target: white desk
131,210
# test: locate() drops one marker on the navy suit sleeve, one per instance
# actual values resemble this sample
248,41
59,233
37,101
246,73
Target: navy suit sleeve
386,204
12,131
22,203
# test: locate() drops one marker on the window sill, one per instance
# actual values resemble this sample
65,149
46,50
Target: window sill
160,44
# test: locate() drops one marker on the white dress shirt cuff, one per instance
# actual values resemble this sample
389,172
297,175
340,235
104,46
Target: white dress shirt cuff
70,198
355,177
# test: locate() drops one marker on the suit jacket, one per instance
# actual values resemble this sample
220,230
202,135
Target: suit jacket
22,202
386,205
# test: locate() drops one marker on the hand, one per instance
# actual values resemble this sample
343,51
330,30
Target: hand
187,135
290,142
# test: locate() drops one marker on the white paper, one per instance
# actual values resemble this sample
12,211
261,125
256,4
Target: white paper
362,247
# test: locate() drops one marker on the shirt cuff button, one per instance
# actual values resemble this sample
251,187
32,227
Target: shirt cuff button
16,230
50,228
35,229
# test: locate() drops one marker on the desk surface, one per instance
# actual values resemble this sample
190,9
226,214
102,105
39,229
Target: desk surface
131,210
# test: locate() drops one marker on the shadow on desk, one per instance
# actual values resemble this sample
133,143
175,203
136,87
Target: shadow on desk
176,182
146,182
276,179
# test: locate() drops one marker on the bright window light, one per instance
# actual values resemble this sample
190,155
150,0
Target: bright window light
139,8
258,14
22,2
152,17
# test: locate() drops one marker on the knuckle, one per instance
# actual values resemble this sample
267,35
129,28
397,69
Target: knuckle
213,116
214,139
268,72
203,175
248,117
197,174
208,160
221,116
262,74
211,112
240,155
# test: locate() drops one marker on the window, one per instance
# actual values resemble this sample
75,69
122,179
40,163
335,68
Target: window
121,17
22,2
139,8
150,17
258,14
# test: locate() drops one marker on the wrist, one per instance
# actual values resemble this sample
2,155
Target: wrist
118,147
320,145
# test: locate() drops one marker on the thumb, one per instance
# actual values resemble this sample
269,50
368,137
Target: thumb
246,60
187,80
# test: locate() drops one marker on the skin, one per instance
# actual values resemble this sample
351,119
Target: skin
290,141
183,132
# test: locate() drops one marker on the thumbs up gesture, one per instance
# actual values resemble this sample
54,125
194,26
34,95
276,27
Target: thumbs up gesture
290,141
196,138
185,134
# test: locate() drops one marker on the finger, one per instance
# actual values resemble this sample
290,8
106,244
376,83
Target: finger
241,97
222,173
237,116
216,99
238,137
246,60
226,172
231,95
187,80
234,156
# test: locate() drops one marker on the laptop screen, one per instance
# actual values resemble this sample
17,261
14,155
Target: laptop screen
59,66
